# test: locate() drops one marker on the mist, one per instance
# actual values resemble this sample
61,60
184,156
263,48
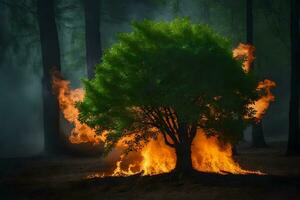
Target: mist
21,114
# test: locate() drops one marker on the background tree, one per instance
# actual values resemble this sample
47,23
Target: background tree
51,61
294,129
92,35
196,85
258,139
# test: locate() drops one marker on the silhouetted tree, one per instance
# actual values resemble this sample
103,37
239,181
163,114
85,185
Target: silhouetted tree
92,35
51,61
258,139
206,11
294,129
171,79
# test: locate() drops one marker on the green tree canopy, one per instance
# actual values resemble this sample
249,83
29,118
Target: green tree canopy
172,78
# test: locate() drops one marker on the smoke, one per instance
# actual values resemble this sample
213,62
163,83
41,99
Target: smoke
21,120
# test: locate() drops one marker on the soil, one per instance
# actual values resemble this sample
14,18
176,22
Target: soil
64,177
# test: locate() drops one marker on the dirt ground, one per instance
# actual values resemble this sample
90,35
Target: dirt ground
64,178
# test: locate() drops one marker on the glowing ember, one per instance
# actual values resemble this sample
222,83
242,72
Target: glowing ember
208,153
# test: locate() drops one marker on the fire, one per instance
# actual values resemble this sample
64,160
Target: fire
263,103
67,99
208,153
246,52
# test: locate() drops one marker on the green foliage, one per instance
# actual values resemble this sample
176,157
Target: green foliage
175,66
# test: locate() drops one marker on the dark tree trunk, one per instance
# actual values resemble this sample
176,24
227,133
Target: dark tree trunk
176,8
257,130
183,150
184,159
258,139
294,129
51,61
249,18
92,35
234,150
206,12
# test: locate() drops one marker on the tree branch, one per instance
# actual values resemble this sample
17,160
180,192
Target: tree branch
159,122
164,124
166,140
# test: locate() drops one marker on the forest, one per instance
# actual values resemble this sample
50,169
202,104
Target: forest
143,99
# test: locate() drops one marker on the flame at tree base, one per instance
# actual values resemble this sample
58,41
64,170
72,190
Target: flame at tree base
208,153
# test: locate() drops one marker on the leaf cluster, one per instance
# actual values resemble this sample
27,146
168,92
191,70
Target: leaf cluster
174,69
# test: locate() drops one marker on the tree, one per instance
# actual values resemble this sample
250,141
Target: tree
258,139
171,79
205,11
92,35
51,61
294,129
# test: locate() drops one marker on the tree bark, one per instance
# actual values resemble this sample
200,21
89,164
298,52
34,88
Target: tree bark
184,159
206,12
257,130
51,61
183,150
258,139
293,147
92,35
249,19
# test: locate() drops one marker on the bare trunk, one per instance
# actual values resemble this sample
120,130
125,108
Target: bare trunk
51,61
249,21
183,150
184,159
294,129
206,12
258,139
92,35
257,131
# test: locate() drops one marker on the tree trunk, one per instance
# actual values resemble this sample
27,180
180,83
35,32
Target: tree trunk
92,35
249,18
51,61
184,159
257,131
258,139
175,8
206,12
294,129
183,151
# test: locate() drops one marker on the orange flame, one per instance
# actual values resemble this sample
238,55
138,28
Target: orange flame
208,153
67,99
261,105
245,52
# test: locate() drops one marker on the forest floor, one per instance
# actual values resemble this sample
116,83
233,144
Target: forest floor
64,178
